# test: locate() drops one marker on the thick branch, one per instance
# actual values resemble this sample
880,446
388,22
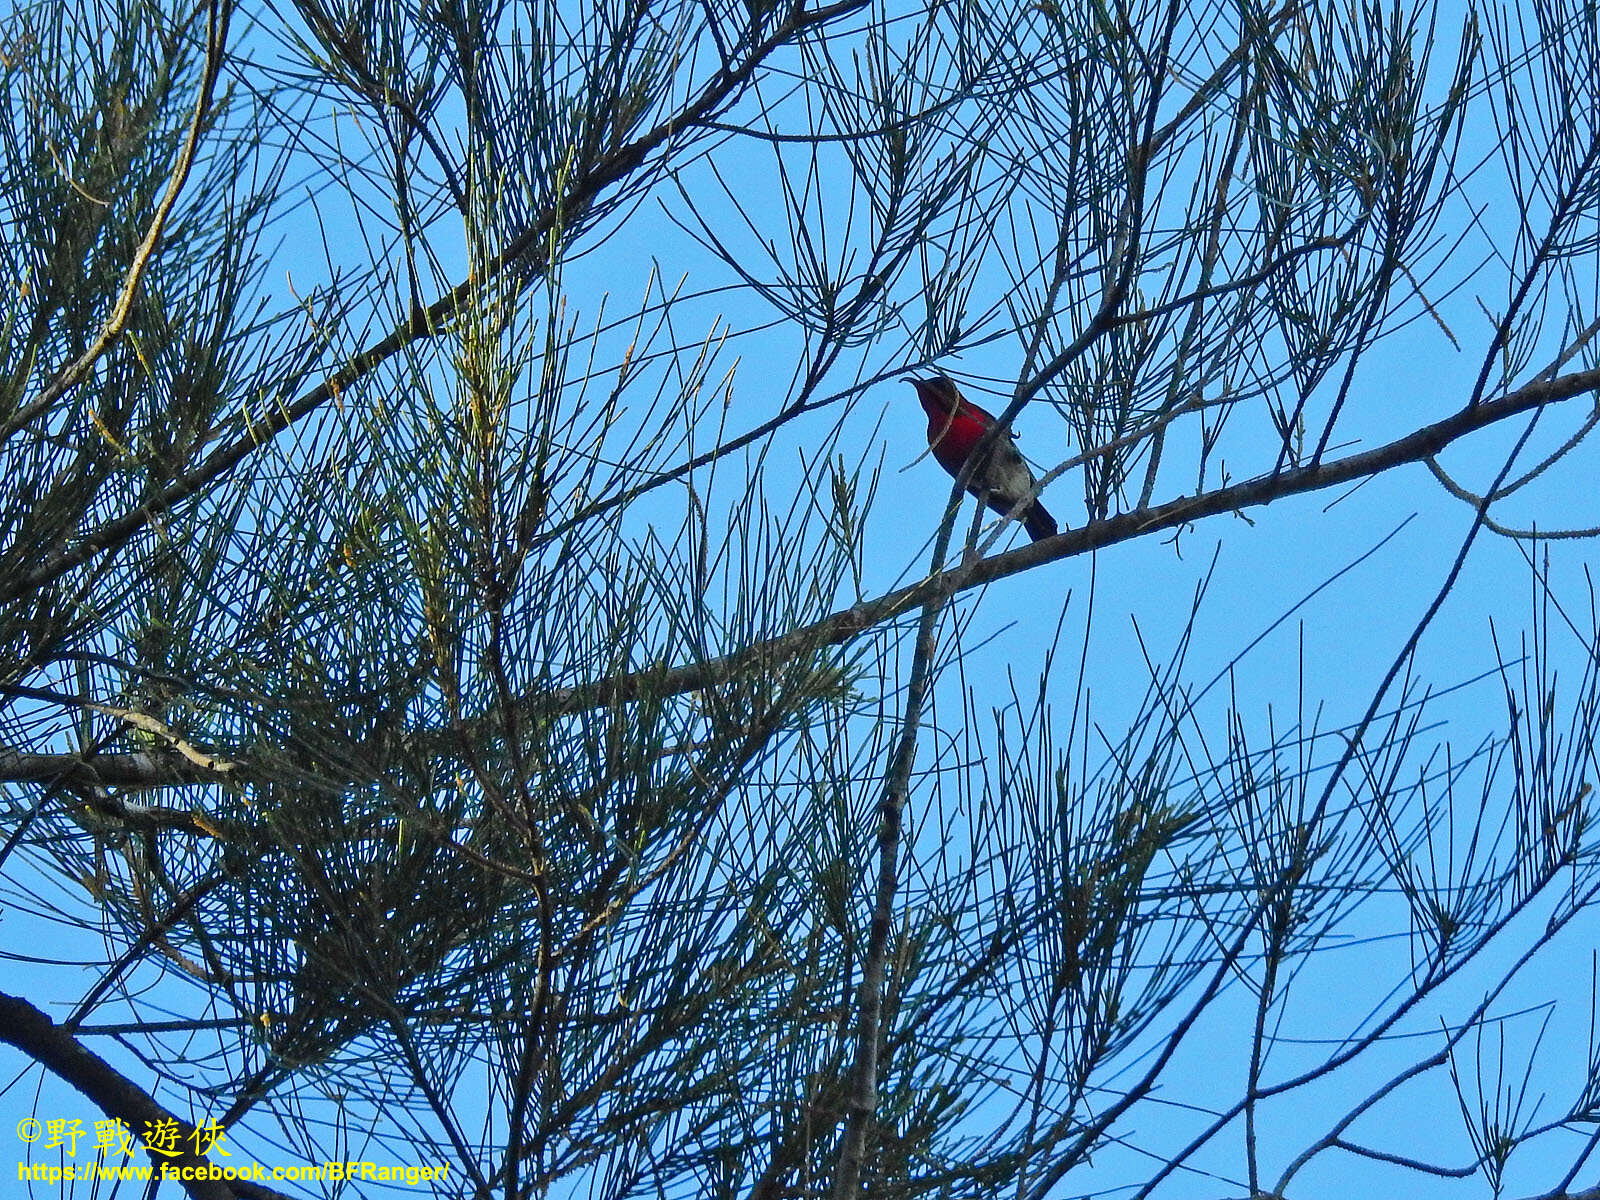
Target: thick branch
844,626
41,1039
131,770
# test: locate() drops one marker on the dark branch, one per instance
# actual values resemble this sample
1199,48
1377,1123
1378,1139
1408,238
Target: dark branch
144,770
41,1039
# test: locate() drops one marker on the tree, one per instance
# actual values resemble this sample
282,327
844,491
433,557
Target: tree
460,723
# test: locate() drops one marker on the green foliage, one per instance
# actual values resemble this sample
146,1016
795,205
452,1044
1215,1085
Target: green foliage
453,649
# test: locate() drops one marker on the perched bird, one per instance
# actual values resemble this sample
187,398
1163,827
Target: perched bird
954,426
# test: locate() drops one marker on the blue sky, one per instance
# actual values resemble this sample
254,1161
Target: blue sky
1347,636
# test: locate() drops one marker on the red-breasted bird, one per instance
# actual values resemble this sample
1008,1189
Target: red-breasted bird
954,426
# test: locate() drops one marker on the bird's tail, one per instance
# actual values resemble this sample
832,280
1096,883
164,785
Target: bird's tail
1039,523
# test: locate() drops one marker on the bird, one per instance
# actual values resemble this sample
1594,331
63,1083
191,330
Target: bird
955,424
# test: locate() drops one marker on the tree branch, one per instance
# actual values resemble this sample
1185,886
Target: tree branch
41,1039
77,370
144,770
609,170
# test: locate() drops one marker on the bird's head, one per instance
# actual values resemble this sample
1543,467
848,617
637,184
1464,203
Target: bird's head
938,395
